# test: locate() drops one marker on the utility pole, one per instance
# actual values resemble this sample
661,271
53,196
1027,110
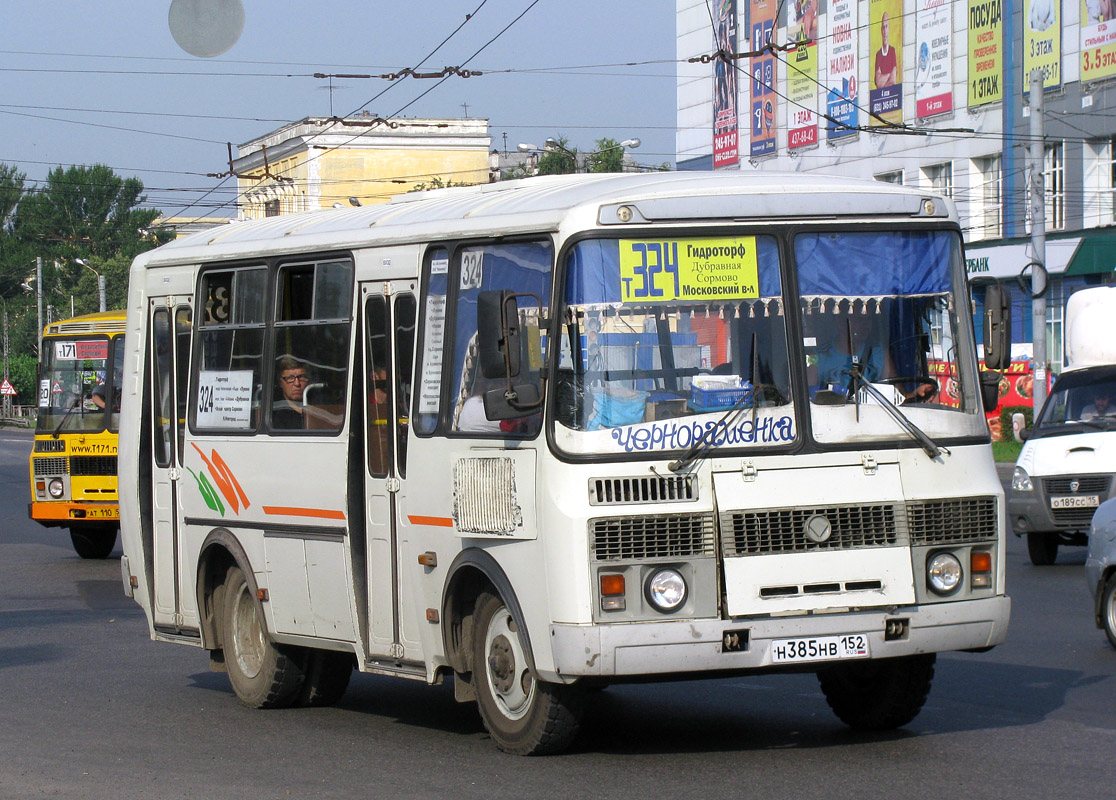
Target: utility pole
1038,240
39,294
7,397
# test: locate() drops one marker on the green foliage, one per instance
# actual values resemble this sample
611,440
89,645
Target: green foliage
11,190
608,157
560,159
436,183
1006,452
21,372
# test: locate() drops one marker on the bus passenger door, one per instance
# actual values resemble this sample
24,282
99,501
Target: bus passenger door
169,357
389,312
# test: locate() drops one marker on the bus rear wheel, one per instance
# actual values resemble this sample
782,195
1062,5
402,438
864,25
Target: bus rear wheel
93,542
262,674
327,675
878,695
524,716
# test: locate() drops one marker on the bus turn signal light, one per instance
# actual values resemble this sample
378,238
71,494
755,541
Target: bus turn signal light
612,585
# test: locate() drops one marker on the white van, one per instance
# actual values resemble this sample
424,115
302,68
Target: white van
1066,467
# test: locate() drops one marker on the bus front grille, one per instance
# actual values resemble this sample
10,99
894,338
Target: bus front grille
93,465
952,521
47,467
50,445
784,530
643,489
655,536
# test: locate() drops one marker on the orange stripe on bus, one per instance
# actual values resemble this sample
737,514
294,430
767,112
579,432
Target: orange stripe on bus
437,522
289,511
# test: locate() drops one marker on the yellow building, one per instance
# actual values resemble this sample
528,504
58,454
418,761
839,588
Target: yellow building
321,162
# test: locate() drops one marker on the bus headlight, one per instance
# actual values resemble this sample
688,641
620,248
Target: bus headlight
666,590
1021,481
943,573
56,488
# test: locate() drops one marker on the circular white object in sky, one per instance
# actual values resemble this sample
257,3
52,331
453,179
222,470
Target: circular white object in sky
206,28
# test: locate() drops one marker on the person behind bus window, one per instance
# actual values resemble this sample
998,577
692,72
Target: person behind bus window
287,412
860,337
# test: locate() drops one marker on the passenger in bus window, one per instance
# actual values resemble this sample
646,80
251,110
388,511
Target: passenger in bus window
286,414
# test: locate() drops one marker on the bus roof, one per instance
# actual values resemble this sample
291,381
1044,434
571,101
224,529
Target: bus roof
98,322
542,203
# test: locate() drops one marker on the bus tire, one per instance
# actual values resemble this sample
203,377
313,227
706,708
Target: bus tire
524,716
262,674
878,695
327,675
93,542
1042,547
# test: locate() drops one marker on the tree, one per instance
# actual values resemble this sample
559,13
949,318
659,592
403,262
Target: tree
608,157
558,160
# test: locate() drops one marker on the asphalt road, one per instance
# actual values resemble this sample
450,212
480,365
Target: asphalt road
90,708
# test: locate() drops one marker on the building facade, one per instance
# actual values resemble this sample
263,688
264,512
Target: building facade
322,162
928,93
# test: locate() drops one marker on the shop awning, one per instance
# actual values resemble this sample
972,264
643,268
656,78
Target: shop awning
1095,254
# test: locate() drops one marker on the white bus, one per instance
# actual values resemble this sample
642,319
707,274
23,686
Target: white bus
548,435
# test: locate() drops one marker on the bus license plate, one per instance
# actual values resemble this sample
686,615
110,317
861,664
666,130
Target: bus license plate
819,648
1075,501
102,513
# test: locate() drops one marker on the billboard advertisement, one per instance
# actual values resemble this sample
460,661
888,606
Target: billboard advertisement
1098,39
885,43
986,52
1042,42
761,27
934,68
726,147
802,74
841,85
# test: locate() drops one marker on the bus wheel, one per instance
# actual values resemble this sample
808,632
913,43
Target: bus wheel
524,716
878,695
93,542
262,674
1042,547
327,677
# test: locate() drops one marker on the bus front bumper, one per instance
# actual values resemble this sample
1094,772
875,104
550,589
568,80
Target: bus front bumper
695,646
65,514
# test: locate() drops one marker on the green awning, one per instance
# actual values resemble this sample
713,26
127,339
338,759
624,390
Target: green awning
1095,254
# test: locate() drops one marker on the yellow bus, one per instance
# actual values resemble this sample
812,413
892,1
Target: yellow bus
73,461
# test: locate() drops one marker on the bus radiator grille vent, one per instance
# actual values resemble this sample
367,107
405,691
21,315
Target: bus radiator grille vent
93,465
642,489
52,466
484,498
952,521
784,530
649,537
50,446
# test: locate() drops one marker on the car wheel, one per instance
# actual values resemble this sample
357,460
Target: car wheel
1042,547
524,716
878,695
1108,609
93,542
262,674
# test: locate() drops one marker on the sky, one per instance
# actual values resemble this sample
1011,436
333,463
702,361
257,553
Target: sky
86,83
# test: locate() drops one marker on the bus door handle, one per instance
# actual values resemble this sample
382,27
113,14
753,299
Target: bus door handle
174,473
393,485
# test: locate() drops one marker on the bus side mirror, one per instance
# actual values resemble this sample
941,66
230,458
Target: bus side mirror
989,390
997,328
498,334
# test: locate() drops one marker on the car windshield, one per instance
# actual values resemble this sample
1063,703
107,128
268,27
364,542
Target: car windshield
1080,401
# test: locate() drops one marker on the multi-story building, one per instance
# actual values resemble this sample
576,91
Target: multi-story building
322,162
929,93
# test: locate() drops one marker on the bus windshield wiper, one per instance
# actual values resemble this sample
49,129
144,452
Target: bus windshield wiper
65,419
916,433
704,443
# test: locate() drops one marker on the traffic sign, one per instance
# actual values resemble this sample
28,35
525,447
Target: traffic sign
7,388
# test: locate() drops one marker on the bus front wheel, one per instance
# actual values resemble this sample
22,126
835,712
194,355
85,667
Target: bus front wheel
262,674
878,695
524,716
92,542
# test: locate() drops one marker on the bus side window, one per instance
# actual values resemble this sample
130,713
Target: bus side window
311,346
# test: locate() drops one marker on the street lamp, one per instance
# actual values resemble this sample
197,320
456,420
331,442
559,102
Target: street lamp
100,280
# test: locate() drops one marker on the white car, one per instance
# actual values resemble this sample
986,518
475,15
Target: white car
1100,567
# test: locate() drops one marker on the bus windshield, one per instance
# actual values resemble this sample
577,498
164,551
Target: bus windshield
676,342
74,390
